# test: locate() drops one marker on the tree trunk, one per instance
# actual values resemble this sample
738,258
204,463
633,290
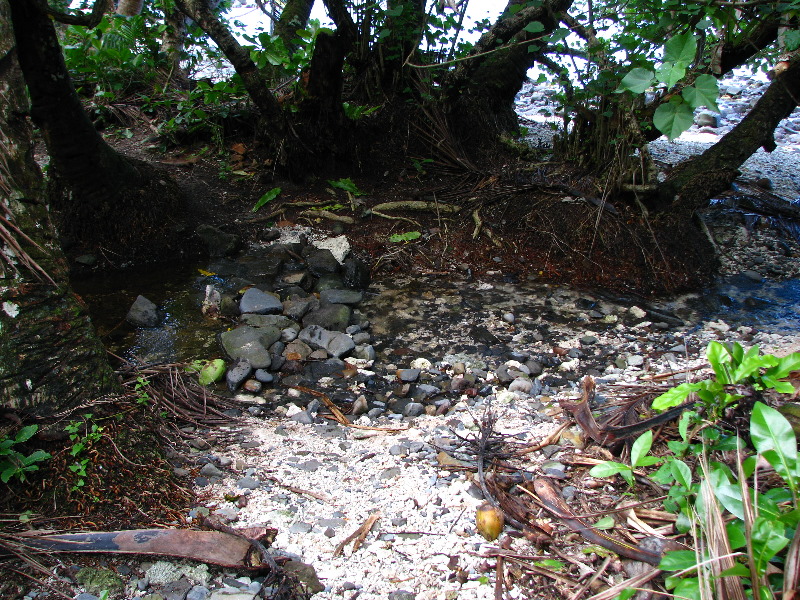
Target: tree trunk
294,16
109,201
172,44
50,357
696,181
487,84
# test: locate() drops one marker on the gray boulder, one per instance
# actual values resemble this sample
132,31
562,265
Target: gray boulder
335,317
218,242
250,343
143,313
262,303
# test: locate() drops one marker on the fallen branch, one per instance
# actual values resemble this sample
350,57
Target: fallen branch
359,535
215,547
606,434
552,501
418,205
326,214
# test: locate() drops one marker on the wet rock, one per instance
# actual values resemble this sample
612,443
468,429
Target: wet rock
259,302
143,313
315,336
327,368
274,321
340,345
335,317
322,262
356,274
237,373
305,574
250,343
296,308
331,281
218,242
521,384
334,296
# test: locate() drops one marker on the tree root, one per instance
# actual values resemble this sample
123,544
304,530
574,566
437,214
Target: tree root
326,214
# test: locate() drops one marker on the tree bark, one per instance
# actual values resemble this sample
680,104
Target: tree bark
487,83
172,44
108,200
696,181
294,16
50,357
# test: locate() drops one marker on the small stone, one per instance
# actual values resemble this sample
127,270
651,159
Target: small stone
306,574
554,469
521,384
198,592
248,483
413,409
408,375
509,317
637,313
300,527
209,470
360,406
635,360
753,275
252,386
304,417
402,595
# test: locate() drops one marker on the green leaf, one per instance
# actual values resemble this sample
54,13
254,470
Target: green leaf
675,396
681,472
774,439
785,365
211,372
606,522
670,73
736,571
678,560
549,563
719,357
673,118
26,433
704,92
680,49
608,469
395,12
768,540
404,237
534,27
267,197
688,588
346,184
641,447
638,80
736,536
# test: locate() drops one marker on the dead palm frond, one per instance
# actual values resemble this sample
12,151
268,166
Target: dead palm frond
13,254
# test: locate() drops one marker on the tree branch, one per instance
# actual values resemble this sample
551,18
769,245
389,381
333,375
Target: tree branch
89,20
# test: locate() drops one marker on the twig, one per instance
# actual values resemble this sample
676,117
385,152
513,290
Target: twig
358,535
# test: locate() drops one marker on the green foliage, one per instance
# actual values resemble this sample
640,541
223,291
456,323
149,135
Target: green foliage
266,197
639,458
732,366
347,185
15,464
354,112
119,56
82,434
760,530
140,389
404,237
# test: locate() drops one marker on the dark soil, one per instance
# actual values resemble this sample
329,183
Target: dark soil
534,222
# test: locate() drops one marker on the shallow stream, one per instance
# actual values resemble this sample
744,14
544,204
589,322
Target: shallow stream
427,315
